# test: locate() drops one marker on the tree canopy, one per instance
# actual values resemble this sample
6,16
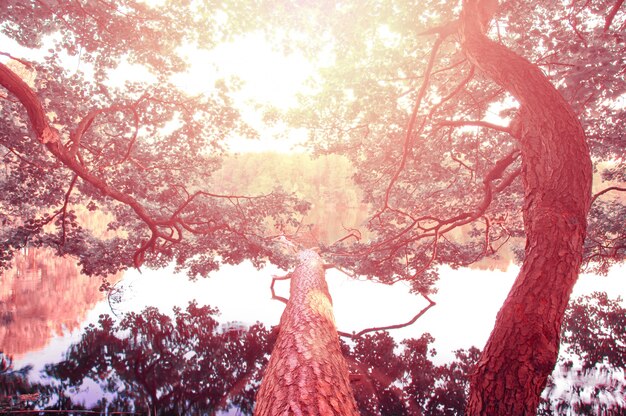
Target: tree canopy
395,94
431,136
79,131
471,127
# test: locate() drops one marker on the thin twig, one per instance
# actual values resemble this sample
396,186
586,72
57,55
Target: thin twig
604,191
431,303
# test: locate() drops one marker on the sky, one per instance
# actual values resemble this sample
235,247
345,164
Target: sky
267,76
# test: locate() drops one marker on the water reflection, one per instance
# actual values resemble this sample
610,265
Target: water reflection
185,364
42,296
188,364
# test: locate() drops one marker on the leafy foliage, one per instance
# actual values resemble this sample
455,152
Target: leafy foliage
433,140
392,380
136,147
590,377
185,364
594,330
192,363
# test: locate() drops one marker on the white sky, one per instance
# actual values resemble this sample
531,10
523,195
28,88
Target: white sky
267,77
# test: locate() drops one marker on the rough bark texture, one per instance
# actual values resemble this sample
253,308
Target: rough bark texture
307,374
556,172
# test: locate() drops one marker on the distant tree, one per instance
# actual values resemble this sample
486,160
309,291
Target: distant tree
187,364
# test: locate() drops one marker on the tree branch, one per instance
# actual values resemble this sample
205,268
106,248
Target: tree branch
608,20
431,303
48,136
442,226
474,123
64,209
410,127
274,296
604,191
36,114
22,61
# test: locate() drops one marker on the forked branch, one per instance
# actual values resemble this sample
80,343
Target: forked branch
168,229
431,303
604,191
274,295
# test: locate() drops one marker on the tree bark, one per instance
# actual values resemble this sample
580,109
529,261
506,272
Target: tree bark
556,172
307,374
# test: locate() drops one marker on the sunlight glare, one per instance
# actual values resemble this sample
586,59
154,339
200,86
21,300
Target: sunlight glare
266,79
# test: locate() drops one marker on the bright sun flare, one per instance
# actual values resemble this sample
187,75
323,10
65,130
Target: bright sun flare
267,78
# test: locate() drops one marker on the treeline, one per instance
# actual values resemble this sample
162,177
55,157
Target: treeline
324,181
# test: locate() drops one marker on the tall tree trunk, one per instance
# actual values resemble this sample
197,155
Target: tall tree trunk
556,171
307,374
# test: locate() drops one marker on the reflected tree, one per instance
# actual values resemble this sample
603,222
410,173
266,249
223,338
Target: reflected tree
391,379
17,392
590,377
185,364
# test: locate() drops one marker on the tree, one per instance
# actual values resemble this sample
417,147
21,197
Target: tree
187,364
412,115
82,133
556,171
306,373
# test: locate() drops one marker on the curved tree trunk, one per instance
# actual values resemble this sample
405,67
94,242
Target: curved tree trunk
307,374
556,171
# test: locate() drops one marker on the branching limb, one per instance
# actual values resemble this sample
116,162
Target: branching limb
64,209
77,134
274,295
22,158
608,20
604,191
474,123
431,303
352,233
412,120
36,114
160,228
439,226
21,61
